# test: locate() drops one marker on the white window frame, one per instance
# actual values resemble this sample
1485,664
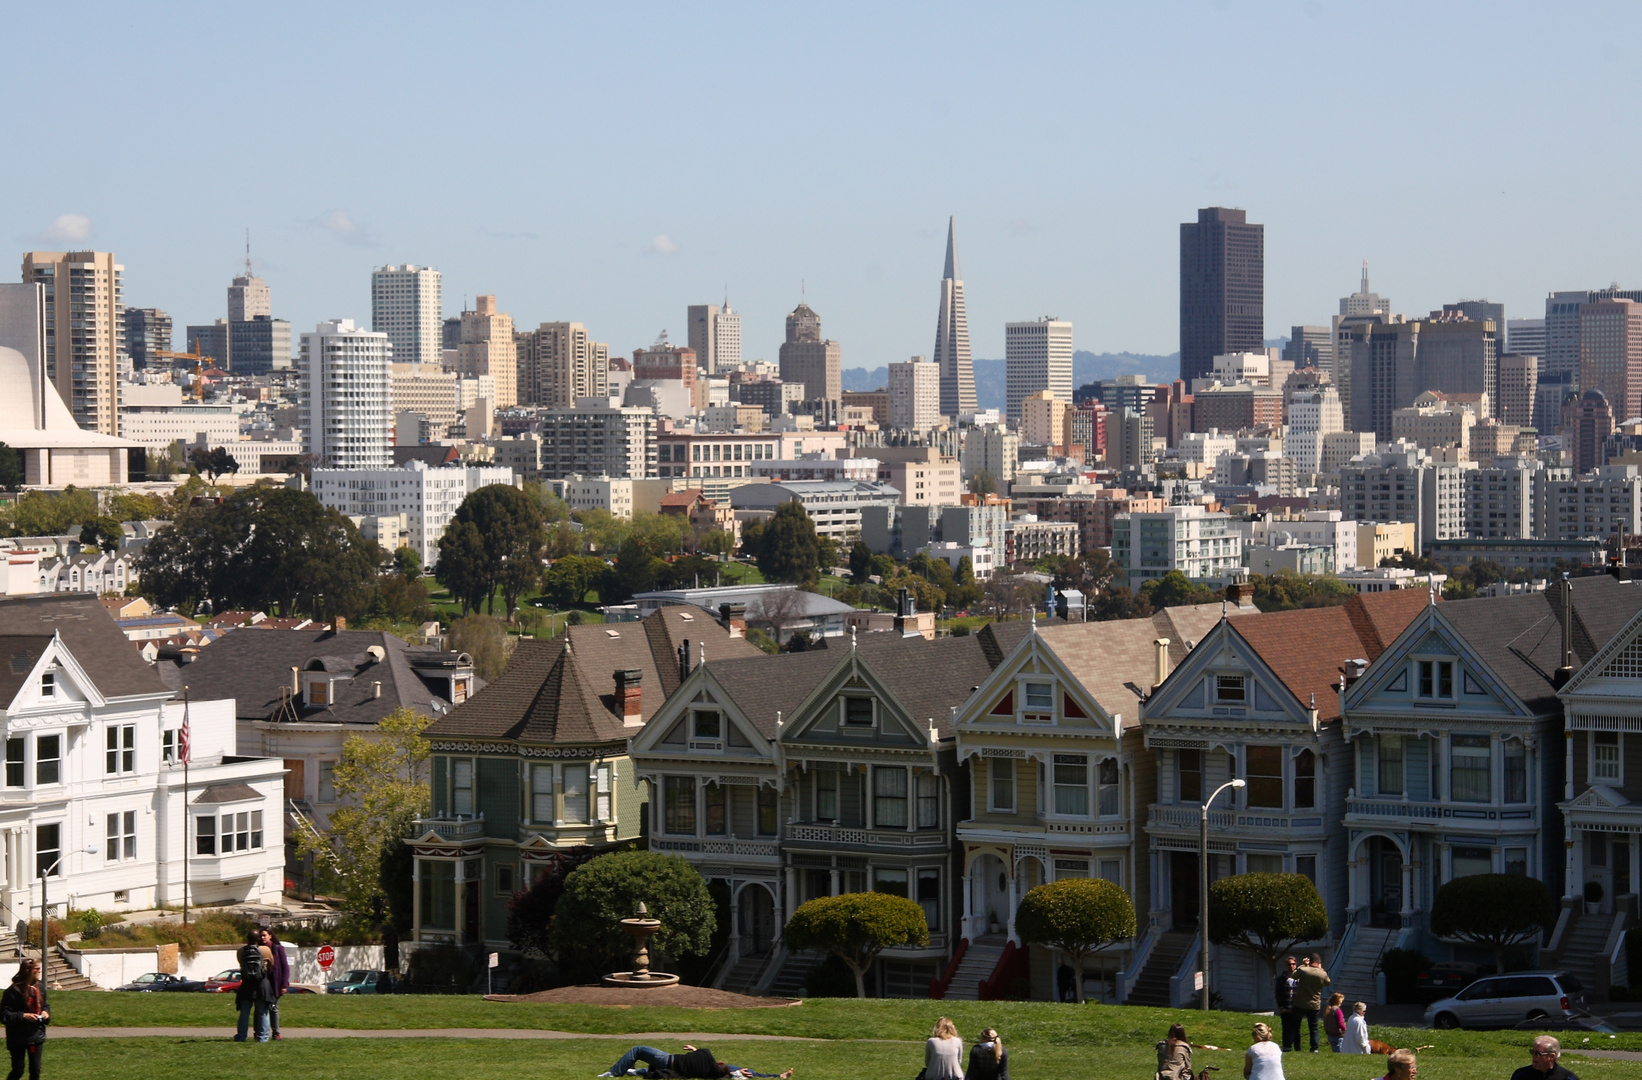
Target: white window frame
1036,714
471,787
1055,785
537,791
120,755
1239,679
1618,777
844,722
1417,682
1116,787
120,836
1001,769
586,792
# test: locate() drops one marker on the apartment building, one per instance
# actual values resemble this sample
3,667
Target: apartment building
1198,542
428,497
84,331
486,348
559,364
407,305
1409,485
346,388
598,440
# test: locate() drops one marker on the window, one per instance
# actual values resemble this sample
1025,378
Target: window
1040,696
319,692
1230,688
766,811
1112,870
1605,756
1515,771
1469,773
256,830
541,794
504,879
1106,792
1470,861
858,711
1265,864
826,796
1072,785
14,763
168,745
1264,773
1306,867
713,800
237,827
205,835
48,684
706,724
1071,868
122,836
48,845
929,897
1436,678
1189,775
575,793
438,880
681,805
889,801
1001,774
461,786
889,881
122,749
1516,861
602,793
929,801
1390,759
1305,780
48,752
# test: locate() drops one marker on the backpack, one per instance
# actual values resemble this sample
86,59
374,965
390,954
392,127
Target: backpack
251,966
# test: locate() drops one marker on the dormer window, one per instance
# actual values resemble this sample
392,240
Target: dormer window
1040,696
1231,688
319,692
858,712
1436,678
48,684
707,724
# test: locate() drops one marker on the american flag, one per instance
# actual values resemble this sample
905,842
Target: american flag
182,735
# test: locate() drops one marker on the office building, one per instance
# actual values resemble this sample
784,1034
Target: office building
1037,356
258,345
1313,414
598,440
1561,352
1610,354
914,395
1405,483
485,346
1457,355
1341,447
775,396
407,305
1600,504
1590,422
1518,379
1122,392
428,497
1433,423
84,331
715,335
147,330
806,357
559,364
1478,311
209,340
833,505
1310,346
1392,363
346,385
1043,421
993,452
249,297
663,362
1199,543
1222,289
1129,440
1525,337
951,354
1236,407
450,333
1363,301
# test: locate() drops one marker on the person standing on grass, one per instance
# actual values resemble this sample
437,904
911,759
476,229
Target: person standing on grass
944,1053
1334,1022
256,962
1174,1056
1543,1064
1309,983
23,1011
1282,992
988,1060
1264,1060
281,973
1356,1038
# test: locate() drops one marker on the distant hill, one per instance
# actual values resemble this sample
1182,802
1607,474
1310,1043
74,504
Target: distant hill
990,384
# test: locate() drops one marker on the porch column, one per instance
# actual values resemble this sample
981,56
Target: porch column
416,899
832,882
969,903
1408,887
1576,864
792,894
461,899
1572,888
735,924
1014,893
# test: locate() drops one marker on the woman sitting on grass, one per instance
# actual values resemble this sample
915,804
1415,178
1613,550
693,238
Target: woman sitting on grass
988,1060
944,1053
1264,1060
1174,1056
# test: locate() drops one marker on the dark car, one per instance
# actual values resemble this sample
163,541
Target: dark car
223,982
159,982
1445,979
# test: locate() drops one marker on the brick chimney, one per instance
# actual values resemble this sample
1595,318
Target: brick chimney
339,624
1241,593
734,617
627,695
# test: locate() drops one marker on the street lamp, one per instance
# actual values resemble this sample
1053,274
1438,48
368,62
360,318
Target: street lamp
1203,897
45,910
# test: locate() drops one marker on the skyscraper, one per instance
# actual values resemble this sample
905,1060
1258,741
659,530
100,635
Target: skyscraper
1364,302
1610,354
914,395
406,305
559,363
1561,353
808,358
715,335
485,346
1310,346
146,330
1037,356
952,337
1222,289
248,297
85,331
1525,337
346,381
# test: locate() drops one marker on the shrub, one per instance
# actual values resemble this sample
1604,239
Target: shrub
1400,967
442,969
211,928
856,927
587,937
1076,916
1494,911
58,931
88,923
831,978
1266,914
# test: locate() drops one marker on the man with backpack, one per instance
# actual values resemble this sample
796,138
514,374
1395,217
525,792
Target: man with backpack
255,993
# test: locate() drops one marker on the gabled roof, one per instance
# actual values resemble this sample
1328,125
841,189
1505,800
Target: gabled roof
19,653
91,636
545,696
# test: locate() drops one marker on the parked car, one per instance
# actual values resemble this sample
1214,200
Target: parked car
1576,1022
1504,1000
223,982
358,981
159,982
1446,979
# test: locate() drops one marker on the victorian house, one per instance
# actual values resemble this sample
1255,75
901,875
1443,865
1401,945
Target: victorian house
1059,781
1257,699
536,763
816,774
1456,732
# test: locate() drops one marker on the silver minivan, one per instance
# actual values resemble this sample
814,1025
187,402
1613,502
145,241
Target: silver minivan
1507,1000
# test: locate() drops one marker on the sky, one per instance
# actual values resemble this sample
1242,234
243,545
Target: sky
613,163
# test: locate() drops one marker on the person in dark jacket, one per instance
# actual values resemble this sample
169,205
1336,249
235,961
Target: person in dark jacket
23,1011
254,995
1282,991
695,1063
988,1060
280,975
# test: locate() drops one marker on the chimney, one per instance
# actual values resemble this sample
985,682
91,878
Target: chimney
735,618
1566,671
684,660
627,694
1162,671
1241,593
296,686
339,624
1354,670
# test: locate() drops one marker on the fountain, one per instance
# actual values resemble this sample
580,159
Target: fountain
641,926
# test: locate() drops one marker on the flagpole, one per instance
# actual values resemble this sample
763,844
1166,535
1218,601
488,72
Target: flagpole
187,752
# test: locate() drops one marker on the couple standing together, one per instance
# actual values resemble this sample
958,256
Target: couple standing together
1298,990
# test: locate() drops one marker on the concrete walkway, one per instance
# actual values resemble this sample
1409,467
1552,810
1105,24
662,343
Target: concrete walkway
227,1032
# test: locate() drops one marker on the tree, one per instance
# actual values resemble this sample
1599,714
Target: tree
510,534
1076,916
571,577
826,554
637,570
1493,911
461,567
787,549
720,542
11,468
1175,589
164,463
856,927
407,562
381,784
482,637
1266,914
530,912
401,599
860,562
983,483
101,533
587,936
213,463
42,513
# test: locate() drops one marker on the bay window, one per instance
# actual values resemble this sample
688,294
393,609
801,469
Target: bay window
889,802
1264,773
679,814
1072,785
1469,773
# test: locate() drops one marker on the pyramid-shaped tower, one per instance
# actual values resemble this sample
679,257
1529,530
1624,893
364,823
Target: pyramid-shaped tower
952,338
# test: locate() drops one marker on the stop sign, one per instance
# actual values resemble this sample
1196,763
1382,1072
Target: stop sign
327,957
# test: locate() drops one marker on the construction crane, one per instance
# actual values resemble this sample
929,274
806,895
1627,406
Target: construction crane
199,366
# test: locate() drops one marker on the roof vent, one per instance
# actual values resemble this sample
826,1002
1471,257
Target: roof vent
376,653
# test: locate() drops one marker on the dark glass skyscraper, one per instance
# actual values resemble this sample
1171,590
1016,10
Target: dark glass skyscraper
1222,289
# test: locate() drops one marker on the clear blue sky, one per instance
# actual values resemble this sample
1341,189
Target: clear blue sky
613,163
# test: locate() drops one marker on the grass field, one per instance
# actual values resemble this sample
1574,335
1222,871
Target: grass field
885,1037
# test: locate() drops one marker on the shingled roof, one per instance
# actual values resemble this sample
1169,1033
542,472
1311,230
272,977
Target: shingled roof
549,696
91,635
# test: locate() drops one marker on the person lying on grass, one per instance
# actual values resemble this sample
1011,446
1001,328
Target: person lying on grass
695,1064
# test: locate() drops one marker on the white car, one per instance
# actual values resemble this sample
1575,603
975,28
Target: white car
1503,1001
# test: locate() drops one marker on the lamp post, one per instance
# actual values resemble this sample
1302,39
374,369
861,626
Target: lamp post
1203,874
45,909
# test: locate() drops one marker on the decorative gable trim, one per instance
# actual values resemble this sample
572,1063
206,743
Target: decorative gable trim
1430,634
706,691
1623,645
1223,651
1033,656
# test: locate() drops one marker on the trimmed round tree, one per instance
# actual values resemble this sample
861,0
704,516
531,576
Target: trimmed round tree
1076,916
856,927
1494,911
1266,914
587,937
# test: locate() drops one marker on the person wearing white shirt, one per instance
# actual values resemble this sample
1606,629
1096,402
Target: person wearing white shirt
1356,1040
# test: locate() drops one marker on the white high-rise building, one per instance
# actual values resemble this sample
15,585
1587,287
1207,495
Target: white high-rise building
1037,356
914,395
346,377
715,335
1312,415
248,297
426,497
407,305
